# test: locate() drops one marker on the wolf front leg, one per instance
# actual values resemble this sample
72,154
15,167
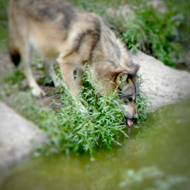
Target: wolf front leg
26,51
67,70
68,75
78,80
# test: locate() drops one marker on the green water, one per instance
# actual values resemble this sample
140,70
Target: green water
156,157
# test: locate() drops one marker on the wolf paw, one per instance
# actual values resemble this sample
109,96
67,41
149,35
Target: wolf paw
81,107
38,92
57,82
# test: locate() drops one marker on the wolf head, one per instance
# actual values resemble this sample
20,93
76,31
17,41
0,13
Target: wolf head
128,86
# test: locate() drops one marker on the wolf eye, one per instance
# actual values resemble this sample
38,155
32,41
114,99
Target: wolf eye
126,101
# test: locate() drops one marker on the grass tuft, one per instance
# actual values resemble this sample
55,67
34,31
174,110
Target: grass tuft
69,130
100,127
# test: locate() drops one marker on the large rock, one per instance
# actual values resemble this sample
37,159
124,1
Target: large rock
163,84
18,136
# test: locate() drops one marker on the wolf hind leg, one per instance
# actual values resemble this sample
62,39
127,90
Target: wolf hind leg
26,51
50,71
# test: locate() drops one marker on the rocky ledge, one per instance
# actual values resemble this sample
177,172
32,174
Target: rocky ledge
18,136
163,85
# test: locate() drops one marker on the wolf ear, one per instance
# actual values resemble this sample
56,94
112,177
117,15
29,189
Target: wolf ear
122,77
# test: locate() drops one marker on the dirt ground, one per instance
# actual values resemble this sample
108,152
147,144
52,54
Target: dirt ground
52,99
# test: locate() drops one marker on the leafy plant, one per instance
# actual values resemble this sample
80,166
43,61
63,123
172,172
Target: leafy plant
101,126
153,32
70,130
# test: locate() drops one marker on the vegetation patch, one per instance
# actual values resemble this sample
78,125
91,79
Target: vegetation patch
70,130
161,31
162,34
154,32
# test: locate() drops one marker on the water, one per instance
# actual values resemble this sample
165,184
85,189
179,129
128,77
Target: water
156,157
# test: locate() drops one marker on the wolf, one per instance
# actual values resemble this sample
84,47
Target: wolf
57,30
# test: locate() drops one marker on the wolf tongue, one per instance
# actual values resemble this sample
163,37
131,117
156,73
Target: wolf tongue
129,122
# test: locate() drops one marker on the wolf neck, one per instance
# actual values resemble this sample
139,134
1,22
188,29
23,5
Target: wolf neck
108,56
105,58
109,49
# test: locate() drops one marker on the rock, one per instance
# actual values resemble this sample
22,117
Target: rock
164,85
18,137
126,11
159,5
123,11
